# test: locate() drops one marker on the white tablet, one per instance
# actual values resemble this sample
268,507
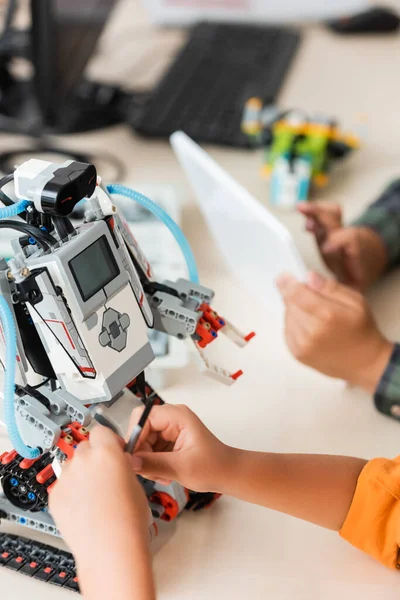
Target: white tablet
255,245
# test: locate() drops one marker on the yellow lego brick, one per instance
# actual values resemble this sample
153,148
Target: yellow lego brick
351,141
318,129
250,128
254,103
266,171
320,180
282,126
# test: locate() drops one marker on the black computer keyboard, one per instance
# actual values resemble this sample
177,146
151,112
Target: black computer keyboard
219,68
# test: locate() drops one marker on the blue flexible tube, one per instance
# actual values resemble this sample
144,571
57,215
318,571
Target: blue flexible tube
10,337
15,209
157,211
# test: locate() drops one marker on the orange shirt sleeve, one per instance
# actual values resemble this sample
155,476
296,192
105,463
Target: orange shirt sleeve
373,521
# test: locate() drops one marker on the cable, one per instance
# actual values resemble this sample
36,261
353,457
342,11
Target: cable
45,239
6,179
9,158
39,385
160,213
10,335
3,197
30,230
15,209
63,227
148,405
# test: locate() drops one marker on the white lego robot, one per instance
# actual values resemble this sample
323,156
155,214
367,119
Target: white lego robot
75,307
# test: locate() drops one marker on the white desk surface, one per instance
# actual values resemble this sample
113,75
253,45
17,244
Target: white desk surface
237,550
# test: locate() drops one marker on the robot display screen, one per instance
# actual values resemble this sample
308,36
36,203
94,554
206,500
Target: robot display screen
94,268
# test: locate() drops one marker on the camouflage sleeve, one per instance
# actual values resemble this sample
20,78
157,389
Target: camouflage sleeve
383,217
387,394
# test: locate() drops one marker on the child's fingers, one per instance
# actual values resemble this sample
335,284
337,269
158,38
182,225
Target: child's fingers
321,219
340,239
301,295
345,244
311,224
103,437
157,432
167,420
157,465
152,441
331,290
299,322
296,334
307,208
320,209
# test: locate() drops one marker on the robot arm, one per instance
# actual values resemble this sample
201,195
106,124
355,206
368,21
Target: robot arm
182,309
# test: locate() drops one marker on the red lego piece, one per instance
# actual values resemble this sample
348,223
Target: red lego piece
68,449
51,486
212,317
27,463
237,375
45,474
170,505
8,457
250,336
78,435
205,332
131,383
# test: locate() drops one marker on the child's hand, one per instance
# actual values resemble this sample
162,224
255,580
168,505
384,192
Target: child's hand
356,255
176,445
330,327
98,502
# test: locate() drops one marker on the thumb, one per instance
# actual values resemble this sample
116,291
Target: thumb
156,465
332,289
286,284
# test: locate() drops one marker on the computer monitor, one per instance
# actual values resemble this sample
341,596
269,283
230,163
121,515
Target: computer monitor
62,38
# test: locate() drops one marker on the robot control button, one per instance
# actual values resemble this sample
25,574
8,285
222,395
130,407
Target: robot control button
114,330
104,338
124,321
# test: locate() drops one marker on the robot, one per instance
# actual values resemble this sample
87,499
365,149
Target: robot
299,150
76,305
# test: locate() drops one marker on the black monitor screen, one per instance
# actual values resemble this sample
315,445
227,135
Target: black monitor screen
78,24
64,34
94,268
